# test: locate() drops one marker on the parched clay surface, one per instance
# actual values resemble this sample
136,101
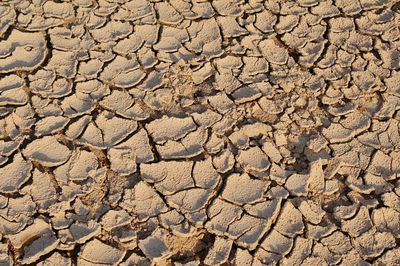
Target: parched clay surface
204,132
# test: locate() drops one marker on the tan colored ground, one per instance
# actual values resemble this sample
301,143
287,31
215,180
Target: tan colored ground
196,132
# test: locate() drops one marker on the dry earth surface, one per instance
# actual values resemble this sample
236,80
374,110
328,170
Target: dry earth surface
224,132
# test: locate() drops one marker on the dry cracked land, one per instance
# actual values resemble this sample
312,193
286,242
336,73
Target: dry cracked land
195,132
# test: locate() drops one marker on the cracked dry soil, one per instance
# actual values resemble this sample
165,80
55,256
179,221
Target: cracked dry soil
195,132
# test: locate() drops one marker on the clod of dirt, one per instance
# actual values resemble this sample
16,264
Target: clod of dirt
38,151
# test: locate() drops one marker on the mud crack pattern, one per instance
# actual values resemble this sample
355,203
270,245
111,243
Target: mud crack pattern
224,132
